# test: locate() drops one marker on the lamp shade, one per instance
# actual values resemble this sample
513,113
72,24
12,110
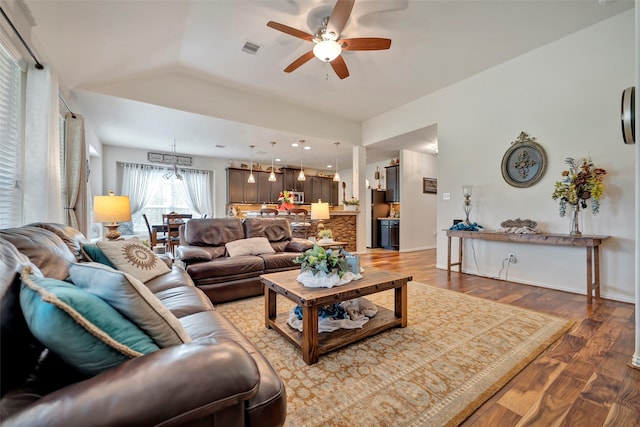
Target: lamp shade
111,208
320,210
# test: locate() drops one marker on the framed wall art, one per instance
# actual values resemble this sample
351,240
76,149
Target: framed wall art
429,185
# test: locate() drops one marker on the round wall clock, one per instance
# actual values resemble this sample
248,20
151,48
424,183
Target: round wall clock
628,115
524,162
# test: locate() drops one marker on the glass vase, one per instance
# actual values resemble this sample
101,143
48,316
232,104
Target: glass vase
575,221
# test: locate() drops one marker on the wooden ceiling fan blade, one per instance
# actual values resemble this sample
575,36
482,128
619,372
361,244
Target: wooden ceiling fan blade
300,61
365,43
340,16
340,67
290,30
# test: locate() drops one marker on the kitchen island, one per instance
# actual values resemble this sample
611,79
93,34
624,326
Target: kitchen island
342,223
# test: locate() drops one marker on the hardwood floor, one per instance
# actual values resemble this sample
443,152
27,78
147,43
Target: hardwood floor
583,379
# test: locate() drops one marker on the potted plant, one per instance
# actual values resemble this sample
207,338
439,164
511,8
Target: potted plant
351,205
325,235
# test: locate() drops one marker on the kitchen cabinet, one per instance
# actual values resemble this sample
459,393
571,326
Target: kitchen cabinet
393,183
314,187
240,191
390,233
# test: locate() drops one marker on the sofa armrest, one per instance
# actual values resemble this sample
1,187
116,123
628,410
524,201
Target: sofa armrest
297,244
179,383
166,259
191,254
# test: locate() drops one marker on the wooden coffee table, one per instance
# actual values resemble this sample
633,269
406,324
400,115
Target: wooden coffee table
311,343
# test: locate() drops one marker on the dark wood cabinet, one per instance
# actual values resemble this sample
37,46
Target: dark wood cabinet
236,181
393,183
389,233
262,191
313,187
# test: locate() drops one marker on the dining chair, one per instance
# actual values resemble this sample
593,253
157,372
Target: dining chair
154,239
174,220
300,224
268,212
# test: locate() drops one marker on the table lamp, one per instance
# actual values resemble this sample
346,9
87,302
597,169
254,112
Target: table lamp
320,211
111,209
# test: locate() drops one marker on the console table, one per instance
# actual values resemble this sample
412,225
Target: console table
590,242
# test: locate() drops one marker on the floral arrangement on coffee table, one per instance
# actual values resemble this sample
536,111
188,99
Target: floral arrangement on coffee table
321,260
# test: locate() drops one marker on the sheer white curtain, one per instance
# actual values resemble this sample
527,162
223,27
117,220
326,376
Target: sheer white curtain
197,190
76,173
137,182
41,182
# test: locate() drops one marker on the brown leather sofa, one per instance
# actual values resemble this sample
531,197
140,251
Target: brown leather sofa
224,278
218,379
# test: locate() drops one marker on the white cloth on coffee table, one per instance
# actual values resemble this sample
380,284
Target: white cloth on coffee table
322,280
359,311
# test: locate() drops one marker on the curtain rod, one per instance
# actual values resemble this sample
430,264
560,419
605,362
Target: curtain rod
24,43
38,65
67,107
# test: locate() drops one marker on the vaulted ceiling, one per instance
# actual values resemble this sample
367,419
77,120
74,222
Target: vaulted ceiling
146,72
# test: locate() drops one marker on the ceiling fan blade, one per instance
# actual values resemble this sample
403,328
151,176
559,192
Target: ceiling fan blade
365,43
340,67
298,62
290,30
339,16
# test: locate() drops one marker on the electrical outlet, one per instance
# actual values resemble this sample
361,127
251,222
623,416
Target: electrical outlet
512,258
446,196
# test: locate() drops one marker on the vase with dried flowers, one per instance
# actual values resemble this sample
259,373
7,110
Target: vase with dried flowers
582,183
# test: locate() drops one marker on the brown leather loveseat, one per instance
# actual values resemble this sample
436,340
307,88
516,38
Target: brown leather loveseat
205,251
217,379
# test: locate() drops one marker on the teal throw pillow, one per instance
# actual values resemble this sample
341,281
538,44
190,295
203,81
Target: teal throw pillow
79,327
94,253
131,298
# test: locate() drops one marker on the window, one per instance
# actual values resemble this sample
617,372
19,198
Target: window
166,197
10,135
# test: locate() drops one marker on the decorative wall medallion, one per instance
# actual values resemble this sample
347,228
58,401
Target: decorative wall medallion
524,162
628,115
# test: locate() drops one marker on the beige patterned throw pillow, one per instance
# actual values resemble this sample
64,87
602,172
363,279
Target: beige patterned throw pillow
250,246
133,257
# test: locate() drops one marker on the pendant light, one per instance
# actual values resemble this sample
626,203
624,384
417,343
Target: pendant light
301,176
272,175
336,177
173,173
251,179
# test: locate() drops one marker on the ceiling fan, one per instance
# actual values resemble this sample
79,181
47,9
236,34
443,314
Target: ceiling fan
328,45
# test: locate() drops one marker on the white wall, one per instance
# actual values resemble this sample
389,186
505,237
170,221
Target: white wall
112,154
418,211
567,95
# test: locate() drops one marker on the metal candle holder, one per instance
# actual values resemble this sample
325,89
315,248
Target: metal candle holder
466,192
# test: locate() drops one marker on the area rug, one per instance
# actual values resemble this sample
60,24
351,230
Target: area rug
455,353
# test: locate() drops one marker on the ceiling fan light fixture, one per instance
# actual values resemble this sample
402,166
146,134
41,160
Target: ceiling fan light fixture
327,50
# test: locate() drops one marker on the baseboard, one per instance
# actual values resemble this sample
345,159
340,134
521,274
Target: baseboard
606,295
418,249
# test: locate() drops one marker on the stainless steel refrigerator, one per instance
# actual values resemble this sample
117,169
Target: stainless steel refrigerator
378,208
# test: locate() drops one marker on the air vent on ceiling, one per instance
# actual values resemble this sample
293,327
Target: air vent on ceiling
261,153
220,146
251,48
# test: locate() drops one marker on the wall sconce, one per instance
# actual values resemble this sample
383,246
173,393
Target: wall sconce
466,192
111,209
